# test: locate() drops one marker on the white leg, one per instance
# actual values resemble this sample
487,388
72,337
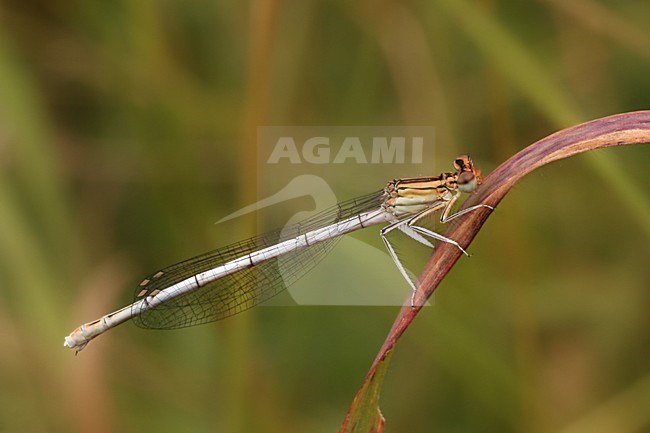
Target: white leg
439,237
409,228
446,206
393,254
443,219
463,212
391,250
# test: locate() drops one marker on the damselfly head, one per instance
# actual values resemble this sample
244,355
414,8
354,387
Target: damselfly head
469,177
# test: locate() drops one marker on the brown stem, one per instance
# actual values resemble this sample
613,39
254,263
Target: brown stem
616,130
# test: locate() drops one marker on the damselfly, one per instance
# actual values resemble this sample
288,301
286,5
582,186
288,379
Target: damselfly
231,279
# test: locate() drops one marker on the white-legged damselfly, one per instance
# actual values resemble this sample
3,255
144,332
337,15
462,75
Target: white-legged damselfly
231,279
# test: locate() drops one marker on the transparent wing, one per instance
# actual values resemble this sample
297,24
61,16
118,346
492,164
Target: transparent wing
244,289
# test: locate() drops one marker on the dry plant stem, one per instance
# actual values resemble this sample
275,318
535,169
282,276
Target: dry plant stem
617,130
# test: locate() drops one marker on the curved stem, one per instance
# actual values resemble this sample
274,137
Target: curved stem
616,130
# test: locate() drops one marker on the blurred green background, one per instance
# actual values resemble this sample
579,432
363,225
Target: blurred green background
128,127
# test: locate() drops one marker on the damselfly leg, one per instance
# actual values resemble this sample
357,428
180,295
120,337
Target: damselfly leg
410,228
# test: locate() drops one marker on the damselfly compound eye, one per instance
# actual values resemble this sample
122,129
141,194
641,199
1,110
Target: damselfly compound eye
467,182
463,163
